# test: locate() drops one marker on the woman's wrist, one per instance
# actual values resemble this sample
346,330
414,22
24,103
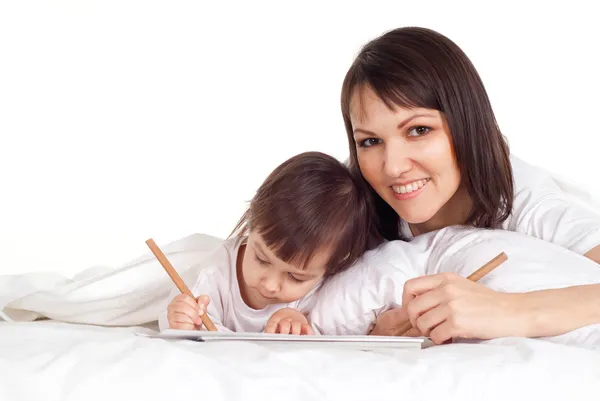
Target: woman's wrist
557,311
530,318
517,318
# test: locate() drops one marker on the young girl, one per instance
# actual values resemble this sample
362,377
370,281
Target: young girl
310,220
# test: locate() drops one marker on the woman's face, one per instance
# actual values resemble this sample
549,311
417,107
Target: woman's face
406,155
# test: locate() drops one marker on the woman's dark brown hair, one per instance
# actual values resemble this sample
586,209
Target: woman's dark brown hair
309,203
417,67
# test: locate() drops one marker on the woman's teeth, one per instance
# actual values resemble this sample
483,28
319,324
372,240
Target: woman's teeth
413,186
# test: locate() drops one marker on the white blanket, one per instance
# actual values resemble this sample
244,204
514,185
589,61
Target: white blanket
129,295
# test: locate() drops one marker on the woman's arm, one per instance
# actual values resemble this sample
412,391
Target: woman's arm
557,311
594,254
445,306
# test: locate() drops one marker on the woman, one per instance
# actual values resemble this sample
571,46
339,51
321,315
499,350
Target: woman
423,134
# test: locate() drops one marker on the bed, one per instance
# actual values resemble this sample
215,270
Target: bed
75,339
62,361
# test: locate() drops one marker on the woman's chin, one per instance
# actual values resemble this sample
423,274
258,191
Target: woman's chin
414,218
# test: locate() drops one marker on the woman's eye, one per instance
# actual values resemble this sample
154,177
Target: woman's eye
419,131
366,143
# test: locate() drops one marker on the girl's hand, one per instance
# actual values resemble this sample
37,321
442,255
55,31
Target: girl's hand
446,306
184,312
288,321
388,322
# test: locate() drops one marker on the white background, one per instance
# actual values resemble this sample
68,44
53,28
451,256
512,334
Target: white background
124,120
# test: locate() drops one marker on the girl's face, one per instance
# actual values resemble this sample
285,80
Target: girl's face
406,155
266,279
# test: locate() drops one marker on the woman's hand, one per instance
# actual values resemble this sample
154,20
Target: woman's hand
288,321
446,306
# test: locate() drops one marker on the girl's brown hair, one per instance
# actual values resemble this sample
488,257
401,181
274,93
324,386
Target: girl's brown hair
309,203
417,67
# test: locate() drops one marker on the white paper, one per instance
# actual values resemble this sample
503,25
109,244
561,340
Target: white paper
356,342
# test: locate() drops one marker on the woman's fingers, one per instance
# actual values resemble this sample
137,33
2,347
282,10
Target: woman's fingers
454,306
420,285
433,318
443,333
428,301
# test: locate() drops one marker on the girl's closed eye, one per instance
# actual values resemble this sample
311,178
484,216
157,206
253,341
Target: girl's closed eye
294,279
260,261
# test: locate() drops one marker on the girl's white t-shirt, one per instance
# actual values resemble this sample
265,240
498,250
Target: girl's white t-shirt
217,278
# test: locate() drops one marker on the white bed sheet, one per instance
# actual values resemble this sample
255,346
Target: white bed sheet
60,361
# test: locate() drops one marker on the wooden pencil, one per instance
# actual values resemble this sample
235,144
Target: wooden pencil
177,280
475,276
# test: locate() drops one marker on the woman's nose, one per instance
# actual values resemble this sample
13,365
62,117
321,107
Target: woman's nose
396,160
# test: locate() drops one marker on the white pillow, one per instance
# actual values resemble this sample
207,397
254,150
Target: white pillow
350,302
533,264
